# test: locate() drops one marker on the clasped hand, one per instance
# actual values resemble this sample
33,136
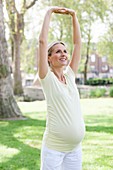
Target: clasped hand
62,10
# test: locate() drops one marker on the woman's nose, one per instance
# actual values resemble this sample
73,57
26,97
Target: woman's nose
63,53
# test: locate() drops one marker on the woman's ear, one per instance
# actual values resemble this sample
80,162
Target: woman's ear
49,60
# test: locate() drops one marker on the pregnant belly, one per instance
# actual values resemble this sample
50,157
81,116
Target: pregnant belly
72,134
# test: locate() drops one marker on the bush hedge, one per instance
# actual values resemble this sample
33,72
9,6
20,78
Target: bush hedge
99,81
111,92
98,92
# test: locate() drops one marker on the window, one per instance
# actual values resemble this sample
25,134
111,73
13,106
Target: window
93,58
104,59
105,67
111,70
92,68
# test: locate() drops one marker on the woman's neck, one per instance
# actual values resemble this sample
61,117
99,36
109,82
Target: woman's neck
59,74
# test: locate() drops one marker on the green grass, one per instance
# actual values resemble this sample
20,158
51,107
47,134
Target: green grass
98,141
20,141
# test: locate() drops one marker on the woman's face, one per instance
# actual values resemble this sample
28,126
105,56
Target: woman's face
59,56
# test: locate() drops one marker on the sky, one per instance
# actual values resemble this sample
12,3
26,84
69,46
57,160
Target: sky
98,28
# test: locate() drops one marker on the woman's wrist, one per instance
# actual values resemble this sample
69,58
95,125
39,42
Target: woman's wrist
72,13
53,9
61,10
50,11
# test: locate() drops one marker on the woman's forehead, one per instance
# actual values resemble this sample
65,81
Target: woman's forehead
58,46
54,43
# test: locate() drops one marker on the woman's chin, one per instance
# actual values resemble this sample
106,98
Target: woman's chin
64,63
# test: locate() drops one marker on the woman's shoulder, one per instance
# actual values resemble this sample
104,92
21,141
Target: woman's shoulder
68,70
49,76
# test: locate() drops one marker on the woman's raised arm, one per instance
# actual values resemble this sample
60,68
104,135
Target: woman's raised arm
43,43
76,55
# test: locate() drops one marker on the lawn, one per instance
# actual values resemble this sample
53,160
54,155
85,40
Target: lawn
20,141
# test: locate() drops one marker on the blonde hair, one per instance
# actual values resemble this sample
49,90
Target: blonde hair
50,46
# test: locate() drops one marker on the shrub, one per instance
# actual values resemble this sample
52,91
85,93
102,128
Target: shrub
111,92
99,81
98,92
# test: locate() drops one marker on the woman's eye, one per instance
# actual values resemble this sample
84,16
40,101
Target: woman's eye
58,51
65,51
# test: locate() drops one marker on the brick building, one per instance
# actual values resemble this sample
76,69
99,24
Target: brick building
99,67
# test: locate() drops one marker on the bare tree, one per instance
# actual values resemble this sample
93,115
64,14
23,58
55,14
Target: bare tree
8,105
16,25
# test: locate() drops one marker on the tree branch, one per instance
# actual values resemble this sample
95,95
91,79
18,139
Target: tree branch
31,4
11,9
10,4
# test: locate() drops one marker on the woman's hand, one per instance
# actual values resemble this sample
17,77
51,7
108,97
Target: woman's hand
62,10
70,11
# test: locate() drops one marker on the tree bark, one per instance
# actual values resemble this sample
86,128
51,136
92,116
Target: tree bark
87,57
85,68
16,26
17,38
8,105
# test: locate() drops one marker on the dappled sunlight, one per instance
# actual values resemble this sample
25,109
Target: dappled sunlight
97,143
30,135
36,106
21,140
23,169
98,121
23,136
36,115
6,153
96,147
3,124
97,106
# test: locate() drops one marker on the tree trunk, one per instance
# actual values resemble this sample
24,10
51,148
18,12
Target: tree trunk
87,56
17,38
85,68
18,89
16,26
8,105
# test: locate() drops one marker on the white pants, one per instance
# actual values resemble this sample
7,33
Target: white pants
54,160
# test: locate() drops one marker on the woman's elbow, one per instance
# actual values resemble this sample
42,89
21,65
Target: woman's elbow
41,40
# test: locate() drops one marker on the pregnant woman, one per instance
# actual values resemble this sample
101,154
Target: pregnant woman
65,129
